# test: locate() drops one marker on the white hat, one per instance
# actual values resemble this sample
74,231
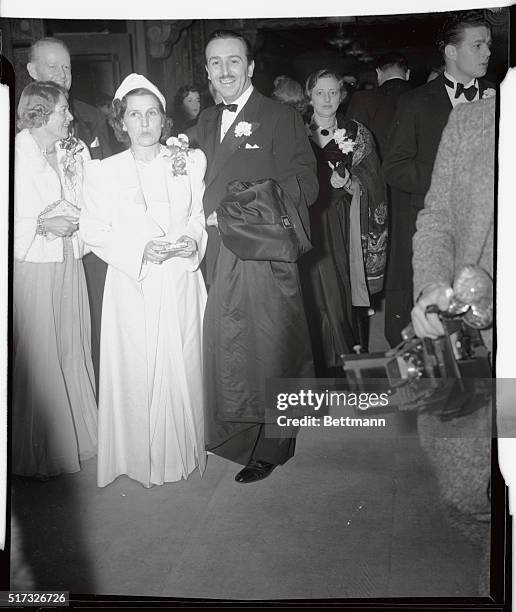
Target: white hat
135,81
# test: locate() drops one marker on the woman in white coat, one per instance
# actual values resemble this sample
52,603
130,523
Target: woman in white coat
143,215
54,415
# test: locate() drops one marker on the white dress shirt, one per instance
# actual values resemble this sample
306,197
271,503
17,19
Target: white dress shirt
229,117
462,98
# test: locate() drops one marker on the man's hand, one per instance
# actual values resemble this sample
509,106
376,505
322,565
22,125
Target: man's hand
428,325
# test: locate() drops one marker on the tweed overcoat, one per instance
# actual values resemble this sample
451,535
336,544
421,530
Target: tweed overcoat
456,228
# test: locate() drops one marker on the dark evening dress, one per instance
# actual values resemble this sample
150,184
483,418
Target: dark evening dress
330,272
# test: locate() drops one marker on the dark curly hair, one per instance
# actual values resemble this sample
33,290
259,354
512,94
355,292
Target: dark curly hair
120,106
182,93
37,102
181,117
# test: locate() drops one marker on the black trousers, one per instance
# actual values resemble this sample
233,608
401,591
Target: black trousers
256,441
273,450
95,272
398,306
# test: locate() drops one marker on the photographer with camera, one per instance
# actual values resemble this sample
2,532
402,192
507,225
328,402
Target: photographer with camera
455,229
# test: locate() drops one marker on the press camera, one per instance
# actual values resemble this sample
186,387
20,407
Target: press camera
450,375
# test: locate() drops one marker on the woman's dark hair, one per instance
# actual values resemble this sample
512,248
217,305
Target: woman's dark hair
182,93
452,30
288,91
119,108
37,102
319,74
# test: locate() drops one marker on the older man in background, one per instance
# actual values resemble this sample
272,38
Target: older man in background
49,60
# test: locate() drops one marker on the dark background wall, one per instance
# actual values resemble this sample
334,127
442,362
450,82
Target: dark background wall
170,52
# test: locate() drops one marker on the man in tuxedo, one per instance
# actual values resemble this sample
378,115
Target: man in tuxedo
248,138
422,113
375,108
49,60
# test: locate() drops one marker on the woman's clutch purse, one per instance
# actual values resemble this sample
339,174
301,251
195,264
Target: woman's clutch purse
57,209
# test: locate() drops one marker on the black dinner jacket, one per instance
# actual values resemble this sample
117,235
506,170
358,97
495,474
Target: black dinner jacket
414,138
91,124
375,108
278,148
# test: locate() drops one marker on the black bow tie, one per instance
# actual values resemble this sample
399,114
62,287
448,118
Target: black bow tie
469,92
230,107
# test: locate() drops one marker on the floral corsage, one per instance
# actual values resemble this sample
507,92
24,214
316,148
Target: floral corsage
176,152
72,148
70,162
341,176
344,143
488,93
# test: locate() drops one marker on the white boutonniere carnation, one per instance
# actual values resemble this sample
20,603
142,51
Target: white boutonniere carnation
488,93
243,128
345,144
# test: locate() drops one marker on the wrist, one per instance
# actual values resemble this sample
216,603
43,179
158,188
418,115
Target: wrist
40,226
431,287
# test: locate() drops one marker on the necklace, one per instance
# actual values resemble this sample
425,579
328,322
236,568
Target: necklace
45,151
323,131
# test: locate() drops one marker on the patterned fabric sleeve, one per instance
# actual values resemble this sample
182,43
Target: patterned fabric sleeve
366,169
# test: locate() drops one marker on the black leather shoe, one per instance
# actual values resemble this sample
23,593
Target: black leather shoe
254,471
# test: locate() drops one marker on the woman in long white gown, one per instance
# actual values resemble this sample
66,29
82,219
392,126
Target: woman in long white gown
54,416
143,215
